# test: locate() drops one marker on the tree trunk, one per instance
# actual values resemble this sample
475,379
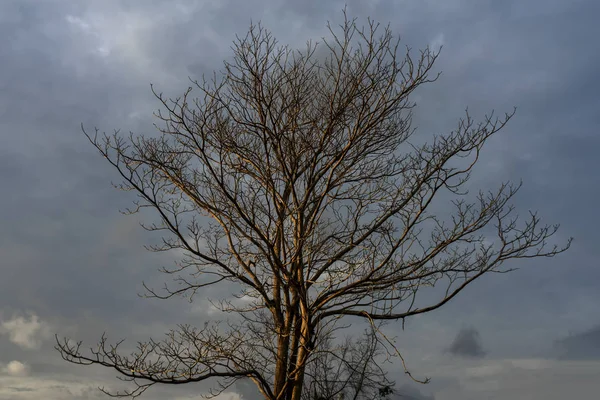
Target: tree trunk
302,353
281,366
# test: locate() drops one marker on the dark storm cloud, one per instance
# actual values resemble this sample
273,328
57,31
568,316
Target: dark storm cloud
467,343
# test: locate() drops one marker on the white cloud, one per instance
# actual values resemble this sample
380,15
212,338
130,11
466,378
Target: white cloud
16,368
27,333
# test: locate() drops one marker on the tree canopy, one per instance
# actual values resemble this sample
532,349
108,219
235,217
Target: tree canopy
294,174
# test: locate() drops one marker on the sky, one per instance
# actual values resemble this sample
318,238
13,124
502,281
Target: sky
72,265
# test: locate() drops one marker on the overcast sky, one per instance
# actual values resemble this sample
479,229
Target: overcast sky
72,265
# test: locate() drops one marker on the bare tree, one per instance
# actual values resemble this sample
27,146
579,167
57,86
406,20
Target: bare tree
350,370
295,177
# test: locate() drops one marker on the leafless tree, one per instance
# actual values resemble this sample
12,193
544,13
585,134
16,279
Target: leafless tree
296,177
350,370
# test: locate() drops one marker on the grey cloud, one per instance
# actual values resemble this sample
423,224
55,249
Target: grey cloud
20,389
467,343
580,346
67,255
410,392
496,379
246,389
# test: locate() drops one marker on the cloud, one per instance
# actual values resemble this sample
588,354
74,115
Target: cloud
409,392
580,346
222,396
26,333
30,388
246,389
536,379
467,343
437,42
16,368
67,257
